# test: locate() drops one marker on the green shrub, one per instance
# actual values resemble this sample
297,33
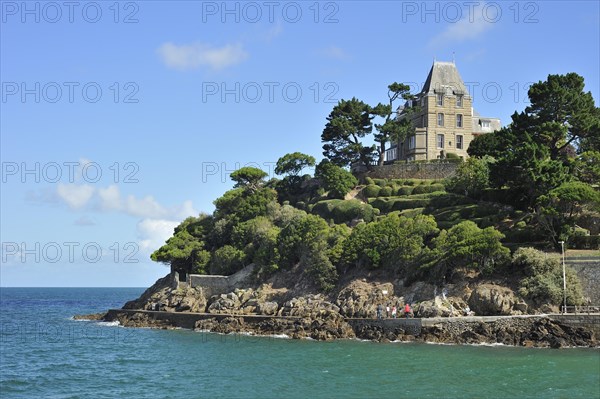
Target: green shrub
385,192
521,224
371,191
405,190
380,182
584,242
426,188
369,180
227,260
451,155
342,211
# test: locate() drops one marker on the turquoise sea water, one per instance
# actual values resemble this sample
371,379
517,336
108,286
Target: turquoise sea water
45,354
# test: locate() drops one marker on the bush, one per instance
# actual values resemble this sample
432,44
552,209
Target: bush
381,182
387,205
336,180
543,281
342,211
422,189
385,192
405,190
227,260
369,181
584,242
371,191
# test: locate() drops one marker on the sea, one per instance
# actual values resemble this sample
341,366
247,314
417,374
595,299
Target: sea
44,353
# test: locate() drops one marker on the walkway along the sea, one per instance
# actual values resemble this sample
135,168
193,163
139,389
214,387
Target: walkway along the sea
411,325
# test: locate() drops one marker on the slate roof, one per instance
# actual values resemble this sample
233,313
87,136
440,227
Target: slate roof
442,77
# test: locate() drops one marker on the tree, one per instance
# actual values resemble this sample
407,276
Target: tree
248,177
528,171
466,245
586,167
392,241
186,250
348,123
561,113
472,177
293,163
393,128
557,210
486,145
335,179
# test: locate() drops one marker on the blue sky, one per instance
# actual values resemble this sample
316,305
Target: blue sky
119,119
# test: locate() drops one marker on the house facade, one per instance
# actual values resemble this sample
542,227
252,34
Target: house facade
443,117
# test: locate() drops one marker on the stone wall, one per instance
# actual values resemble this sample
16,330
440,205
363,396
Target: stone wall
589,274
413,170
591,321
216,285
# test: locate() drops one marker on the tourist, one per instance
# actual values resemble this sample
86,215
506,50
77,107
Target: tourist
379,311
394,310
407,310
387,311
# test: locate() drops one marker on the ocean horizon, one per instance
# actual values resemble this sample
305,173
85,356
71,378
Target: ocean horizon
45,353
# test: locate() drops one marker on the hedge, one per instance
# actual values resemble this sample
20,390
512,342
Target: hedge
385,192
371,191
584,242
342,211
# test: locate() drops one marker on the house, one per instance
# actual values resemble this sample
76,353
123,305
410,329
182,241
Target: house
443,117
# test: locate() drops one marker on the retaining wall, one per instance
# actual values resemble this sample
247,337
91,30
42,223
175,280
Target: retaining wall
436,170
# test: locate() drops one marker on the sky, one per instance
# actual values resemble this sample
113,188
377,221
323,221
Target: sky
120,119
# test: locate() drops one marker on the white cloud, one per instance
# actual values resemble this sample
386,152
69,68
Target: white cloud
76,196
471,26
335,52
144,207
195,55
154,232
84,221
109,199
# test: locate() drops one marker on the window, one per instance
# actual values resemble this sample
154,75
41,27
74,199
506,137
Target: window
459,100
440,119
485,124
440,141
411,142
440,99
459,120
459,141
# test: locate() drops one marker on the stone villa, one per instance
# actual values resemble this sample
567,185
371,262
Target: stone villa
445,121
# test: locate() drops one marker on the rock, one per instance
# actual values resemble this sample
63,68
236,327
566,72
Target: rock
489,299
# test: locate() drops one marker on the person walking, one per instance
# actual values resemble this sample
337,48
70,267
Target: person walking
387,311
407,310
394,311
379,311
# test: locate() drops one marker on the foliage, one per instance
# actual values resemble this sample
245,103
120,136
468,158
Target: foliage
299,236
392,128
425,189
293,163
557,210
227,260
542,279
248,177
348,123
385,191
586,167
239,205
335,179
472,177
465,245
342,211
371,191
392,241
185,250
